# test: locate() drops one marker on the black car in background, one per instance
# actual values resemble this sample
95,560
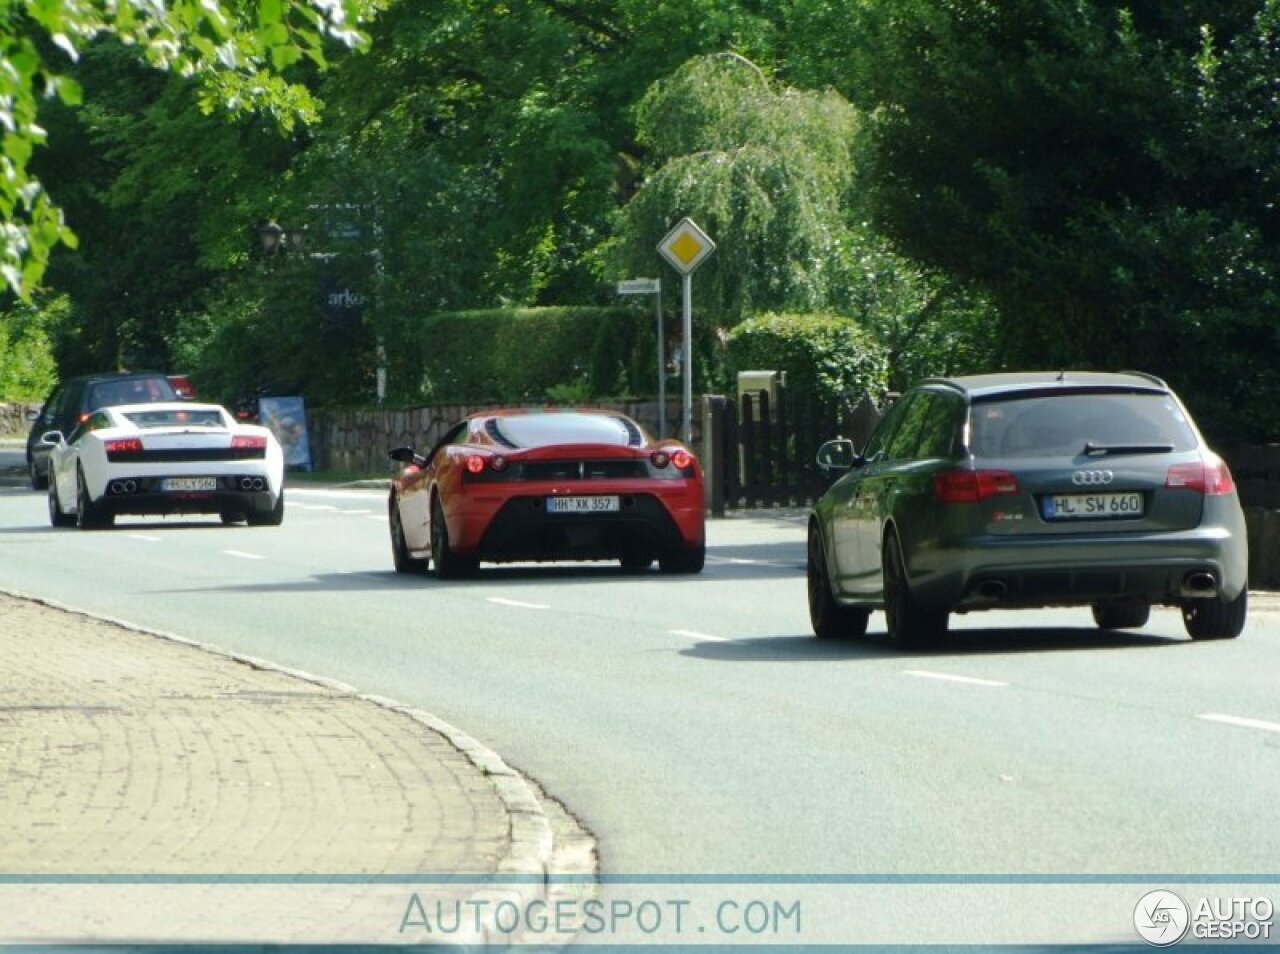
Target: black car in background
76,398
1028,490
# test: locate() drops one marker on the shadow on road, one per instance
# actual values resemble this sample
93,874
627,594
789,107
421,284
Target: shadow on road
489,577
968,642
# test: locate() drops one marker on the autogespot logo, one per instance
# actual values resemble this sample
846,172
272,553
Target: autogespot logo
1161,918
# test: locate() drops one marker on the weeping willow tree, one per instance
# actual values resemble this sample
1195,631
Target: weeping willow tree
763,169
769,173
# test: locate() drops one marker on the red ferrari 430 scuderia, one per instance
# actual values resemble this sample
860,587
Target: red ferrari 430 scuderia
518,485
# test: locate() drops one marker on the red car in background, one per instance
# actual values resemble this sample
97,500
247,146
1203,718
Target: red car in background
182,385
518,485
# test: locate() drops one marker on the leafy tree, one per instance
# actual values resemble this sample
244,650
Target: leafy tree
1106,173
764,170
164,197
496,140
769,172
238,51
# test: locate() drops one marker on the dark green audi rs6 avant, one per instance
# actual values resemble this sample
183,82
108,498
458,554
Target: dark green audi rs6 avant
1028,490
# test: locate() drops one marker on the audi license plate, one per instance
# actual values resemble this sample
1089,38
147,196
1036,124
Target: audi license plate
189,483
582,504
1076,506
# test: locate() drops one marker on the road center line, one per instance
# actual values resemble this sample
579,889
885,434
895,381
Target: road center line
948,677
1240,721
244,556
690,634
517,603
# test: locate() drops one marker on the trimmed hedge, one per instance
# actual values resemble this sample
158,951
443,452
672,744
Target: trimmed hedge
827,355
533,354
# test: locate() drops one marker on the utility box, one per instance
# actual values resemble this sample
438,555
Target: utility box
752,383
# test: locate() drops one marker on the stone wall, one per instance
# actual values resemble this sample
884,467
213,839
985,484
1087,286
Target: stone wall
13,419
357,441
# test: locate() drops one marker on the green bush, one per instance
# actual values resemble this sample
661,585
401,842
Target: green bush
826,355
28,371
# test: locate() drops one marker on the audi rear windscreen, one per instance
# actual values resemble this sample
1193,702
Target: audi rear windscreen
1070,423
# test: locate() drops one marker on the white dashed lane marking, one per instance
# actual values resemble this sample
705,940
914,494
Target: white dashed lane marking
690,634
143,536
948,677
520,604
244,556
1240,721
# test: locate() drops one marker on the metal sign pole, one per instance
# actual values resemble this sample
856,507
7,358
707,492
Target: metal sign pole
685,247
686,360
662,367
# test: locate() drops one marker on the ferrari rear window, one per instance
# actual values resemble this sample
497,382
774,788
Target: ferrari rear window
1064,424
175,418
542,430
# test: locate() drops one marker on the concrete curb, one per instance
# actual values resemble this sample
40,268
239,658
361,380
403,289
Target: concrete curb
531,840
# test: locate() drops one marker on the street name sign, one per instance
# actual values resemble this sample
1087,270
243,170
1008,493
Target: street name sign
640,286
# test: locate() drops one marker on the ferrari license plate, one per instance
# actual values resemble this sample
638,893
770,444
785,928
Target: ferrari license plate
189,483
582,504
1086,506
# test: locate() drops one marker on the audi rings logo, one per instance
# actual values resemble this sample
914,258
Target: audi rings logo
1161,918
1092,478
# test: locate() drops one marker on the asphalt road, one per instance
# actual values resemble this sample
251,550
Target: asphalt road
695,725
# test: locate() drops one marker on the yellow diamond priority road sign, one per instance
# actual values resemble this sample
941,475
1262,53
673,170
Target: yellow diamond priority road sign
686,246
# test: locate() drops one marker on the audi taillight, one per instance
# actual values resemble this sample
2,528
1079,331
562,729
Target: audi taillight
123,445
970,486
248,442
1209,477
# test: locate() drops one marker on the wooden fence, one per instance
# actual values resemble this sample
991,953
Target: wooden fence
760,451
1256,469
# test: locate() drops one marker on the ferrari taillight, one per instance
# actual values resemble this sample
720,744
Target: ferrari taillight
474,464
680,459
